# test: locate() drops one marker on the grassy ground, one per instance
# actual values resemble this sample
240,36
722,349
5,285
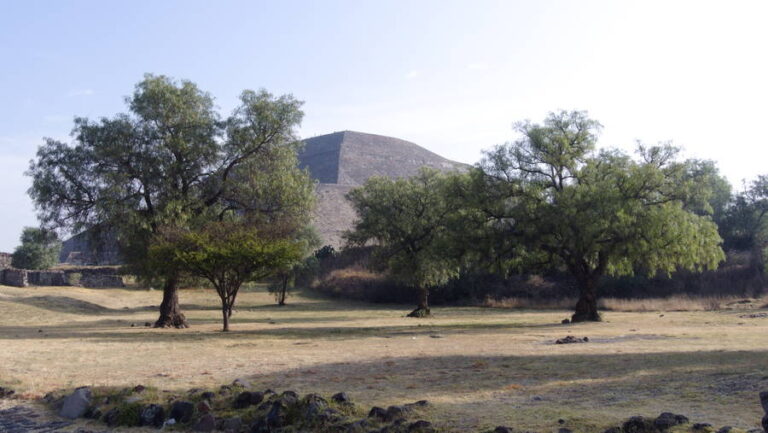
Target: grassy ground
480,367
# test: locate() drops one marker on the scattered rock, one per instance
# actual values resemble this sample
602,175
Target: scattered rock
565,321
241,383
570,339
152,415
638,424
613,430
764,400
378,412
231,425
702,426
667,420
203,406
340,397
206,423
208,395
112,417
182,411
725,429
76,403
139,388
6,392
502,429
396,412
245,399
754,316
420,426
93,412
564,430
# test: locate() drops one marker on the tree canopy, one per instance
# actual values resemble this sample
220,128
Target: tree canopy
409,223
555,201
39,249
171,161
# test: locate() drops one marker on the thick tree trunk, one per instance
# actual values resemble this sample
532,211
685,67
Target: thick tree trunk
423,309
586,308
170,311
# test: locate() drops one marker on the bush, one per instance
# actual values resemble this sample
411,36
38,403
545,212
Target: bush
39,249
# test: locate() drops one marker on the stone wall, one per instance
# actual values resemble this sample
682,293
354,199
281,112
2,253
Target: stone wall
47,278
15,277
5,260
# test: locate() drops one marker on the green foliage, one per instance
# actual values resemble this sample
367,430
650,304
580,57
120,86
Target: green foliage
39,249
553,201
227,254
408,221
171,161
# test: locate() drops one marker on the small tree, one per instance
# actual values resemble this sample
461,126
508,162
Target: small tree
39,249
553,201
408,221
227,254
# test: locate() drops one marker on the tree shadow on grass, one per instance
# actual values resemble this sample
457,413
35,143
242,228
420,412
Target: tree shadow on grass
121,330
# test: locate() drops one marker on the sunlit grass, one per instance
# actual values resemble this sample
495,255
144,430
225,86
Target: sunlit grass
480,367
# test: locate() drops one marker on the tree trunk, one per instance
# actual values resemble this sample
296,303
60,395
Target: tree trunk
423,309
170,311
586,308
283,291
226,312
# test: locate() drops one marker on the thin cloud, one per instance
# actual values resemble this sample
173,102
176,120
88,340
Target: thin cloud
477,66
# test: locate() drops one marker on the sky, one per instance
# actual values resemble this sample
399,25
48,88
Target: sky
451,76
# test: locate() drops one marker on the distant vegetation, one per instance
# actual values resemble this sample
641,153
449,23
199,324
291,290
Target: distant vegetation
39,249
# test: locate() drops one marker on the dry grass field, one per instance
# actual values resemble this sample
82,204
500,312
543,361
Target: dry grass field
479,367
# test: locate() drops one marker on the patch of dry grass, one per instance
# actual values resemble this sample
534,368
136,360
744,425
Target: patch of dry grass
480,367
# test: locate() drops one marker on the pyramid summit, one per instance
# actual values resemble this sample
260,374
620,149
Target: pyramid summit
338,162
341,161
350,158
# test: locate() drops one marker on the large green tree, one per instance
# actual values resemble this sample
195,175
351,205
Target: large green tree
39,249
553,201
171,160
409,223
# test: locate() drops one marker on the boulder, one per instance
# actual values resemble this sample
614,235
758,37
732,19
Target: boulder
765,422
277,416
206,423
378,412
340,397
764,400
638,424
112,417
420,426
76,403
667,420
208,395
396,412
613,430
152,415
502,429
242,400
702,427
231,425
182,411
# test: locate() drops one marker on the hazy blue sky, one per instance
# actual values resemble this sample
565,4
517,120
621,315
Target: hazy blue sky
451,76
